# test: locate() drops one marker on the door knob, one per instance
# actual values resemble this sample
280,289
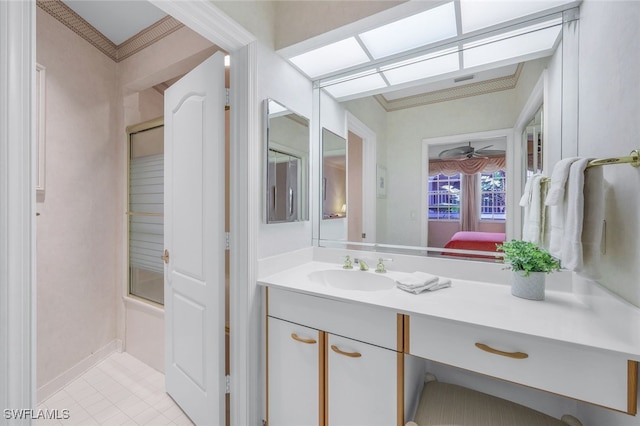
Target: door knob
165,256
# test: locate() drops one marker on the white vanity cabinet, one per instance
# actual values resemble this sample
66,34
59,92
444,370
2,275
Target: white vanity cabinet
295,354
588,374
332,363
361,384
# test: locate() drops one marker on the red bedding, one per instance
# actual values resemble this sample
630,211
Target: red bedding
479,241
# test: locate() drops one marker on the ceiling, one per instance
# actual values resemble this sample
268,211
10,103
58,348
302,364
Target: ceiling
117,20
121,21
430,46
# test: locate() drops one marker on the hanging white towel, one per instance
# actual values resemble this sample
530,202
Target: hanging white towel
592,223
559,176
557,201
533,228
572,251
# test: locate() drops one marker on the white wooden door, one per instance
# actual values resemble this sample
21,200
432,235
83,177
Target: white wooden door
195,242
362,384
294,374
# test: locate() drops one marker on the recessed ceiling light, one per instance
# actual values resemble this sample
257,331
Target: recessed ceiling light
478,14
333,57
513,45
418,30
422,67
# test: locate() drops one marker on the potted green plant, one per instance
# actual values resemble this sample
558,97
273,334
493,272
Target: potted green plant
529,264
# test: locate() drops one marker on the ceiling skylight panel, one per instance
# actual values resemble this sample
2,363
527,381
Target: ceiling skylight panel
333,57
510,46
415,31
355,85
438,63
478,14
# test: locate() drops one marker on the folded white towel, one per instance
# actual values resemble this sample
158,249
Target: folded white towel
437,285
559,176
417,279
417,282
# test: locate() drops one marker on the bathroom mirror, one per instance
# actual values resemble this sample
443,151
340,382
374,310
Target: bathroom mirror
490,97
287,164
334,186
532,140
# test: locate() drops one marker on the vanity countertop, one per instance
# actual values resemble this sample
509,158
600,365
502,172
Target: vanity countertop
562,316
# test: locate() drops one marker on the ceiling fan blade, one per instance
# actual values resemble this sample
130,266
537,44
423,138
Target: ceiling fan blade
483,148
490,152
456,152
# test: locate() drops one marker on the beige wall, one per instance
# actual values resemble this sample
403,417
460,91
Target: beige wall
609,90
80,239
77,232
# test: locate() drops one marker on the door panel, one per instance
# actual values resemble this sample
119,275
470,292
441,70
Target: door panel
361,383
194,238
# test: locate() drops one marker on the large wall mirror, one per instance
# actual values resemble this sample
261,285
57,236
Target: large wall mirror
287,164
449,128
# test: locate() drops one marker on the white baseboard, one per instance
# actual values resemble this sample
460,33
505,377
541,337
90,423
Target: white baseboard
48,389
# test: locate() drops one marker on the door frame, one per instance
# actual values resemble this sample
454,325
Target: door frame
17,202
369,162
512,205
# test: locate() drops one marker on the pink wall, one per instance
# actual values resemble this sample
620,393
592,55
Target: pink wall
354,189
78,232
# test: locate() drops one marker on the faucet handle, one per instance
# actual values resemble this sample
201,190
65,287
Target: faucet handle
347,263
380,268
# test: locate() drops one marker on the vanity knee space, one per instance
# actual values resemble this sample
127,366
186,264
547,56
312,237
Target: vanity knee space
587,374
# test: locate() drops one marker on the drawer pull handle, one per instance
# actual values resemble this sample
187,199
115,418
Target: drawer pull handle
294,336
349,354
516,355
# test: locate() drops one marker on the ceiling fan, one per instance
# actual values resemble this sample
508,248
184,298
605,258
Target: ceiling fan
468,152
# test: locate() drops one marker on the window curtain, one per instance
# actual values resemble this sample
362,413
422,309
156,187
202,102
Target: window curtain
470,170
469,207
469,166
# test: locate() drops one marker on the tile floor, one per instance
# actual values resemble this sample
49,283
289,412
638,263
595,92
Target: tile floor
121,390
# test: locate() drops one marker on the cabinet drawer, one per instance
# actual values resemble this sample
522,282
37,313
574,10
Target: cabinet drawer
372,325
576,371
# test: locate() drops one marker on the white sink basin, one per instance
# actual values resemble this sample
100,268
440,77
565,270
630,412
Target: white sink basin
352,279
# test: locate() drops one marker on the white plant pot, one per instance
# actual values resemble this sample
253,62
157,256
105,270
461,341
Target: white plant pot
531,287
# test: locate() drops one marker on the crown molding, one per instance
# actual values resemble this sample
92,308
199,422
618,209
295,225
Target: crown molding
453,93
69,18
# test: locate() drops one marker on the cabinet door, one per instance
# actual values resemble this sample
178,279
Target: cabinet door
293,374
361,384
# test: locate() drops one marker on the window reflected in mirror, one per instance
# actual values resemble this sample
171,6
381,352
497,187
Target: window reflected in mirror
466,193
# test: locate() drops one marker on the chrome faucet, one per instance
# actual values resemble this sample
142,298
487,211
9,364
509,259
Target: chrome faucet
347,263
380,266
362,263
